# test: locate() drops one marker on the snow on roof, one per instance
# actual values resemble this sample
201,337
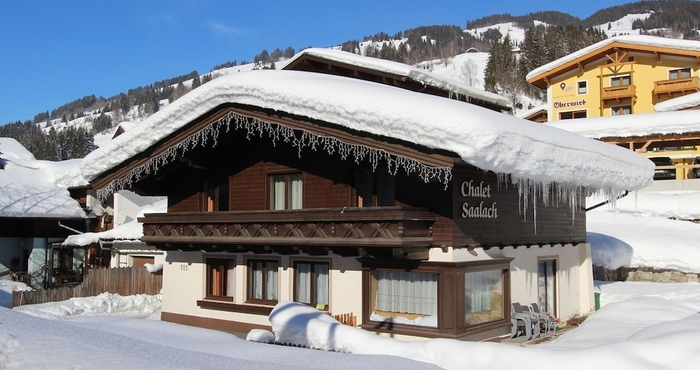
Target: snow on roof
129,231
37,189
414,73
679,103
532,111
643,124
640,40
486,139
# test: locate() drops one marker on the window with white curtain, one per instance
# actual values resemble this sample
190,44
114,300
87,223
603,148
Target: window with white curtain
263,280
405,297
220,275
286,191
483,296
311,284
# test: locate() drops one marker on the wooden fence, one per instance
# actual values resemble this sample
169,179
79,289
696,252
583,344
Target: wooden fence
123,281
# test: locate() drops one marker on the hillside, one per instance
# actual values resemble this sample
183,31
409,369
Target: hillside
74,129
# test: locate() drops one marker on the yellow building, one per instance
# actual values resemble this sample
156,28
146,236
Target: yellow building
621,75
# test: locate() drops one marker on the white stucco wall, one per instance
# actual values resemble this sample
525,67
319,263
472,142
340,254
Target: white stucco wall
184,283
574,276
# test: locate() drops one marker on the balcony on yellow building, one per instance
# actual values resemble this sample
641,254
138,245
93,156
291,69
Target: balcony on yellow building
676,85
617,93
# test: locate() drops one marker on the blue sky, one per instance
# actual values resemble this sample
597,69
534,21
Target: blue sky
54,52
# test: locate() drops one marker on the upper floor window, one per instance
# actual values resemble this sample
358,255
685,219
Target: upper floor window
679,73
220,284
620,80
286,191
374,188
572,114
621,110
582,87
216,195
311,284
262,281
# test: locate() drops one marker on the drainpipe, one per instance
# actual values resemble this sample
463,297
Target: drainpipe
112,249
607,201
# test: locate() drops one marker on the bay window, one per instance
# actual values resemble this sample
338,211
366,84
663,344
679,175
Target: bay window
404,297
483,296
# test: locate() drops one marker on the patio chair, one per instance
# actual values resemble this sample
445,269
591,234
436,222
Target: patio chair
520,320
549,322
534,318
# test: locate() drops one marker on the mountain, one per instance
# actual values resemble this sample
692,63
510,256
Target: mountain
450,51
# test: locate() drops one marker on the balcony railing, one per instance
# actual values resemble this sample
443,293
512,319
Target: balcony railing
618,92
313,231
678,85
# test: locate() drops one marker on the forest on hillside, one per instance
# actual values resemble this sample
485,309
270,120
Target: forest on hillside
505,72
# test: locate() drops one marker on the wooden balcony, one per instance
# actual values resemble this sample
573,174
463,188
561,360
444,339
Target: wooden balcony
374,231
678,85
618,93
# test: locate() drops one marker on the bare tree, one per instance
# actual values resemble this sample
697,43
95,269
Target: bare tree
468,72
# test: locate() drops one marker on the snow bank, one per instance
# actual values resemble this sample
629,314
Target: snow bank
139,305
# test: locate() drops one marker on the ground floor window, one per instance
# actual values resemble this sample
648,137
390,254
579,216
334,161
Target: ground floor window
546,282
311,284
263,281
483,296
220,278
404,297
572,115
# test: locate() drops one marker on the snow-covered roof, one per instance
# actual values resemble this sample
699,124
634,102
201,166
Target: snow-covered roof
417,74
486,139
532,111
37,189
130,231
635,40
679,103
643,124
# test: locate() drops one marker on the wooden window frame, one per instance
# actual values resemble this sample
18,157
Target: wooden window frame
249,275
209,262
573,114
613,109
211,194
556,281
578,87
690,70
451,303
621,78
287,188
312,288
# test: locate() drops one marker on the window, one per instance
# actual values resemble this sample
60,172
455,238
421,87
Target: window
379,182
216,195
546,283
621,110
311,284
572,114
582,87
620,81
220,275
404,297
286,191
679,73
483,297
262,281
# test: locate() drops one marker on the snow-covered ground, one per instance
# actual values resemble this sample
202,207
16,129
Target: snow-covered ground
640,325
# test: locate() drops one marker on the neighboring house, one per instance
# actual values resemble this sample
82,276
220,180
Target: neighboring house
537,114
421,215
36,211
391,73
673,134
121,246
618,76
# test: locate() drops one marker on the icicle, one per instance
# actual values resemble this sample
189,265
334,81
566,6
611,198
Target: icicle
298,138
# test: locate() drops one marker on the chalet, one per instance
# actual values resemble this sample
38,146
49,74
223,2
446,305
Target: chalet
620,75
37,210
423,216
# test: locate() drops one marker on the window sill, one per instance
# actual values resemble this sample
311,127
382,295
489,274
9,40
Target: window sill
233,307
